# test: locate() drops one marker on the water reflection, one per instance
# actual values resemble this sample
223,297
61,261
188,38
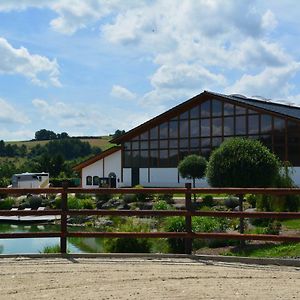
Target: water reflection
36,245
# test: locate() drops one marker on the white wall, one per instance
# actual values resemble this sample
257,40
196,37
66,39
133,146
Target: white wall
112,163
296,175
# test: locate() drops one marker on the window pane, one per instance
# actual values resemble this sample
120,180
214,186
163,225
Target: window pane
228,109
253,124
154,158
135,159
205,143
195,143
266,140
145,136
183,153
184,129
153,144
266,123
127,146
163,131
240,127
154,133
173,158
205,152
240,110
95,180
127,159
194,112
279,125
163,158
173,129
89,180
184,143
205,109
144,159
163,144
279,151
184,115
216,142
216,126
135,145
144,144
173,143
205,127
216,108
228,126
195,129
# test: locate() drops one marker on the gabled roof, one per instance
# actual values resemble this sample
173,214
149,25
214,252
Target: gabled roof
265,106
96,158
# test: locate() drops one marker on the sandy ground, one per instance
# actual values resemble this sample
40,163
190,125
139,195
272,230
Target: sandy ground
128,278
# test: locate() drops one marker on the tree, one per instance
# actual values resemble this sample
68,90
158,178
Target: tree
118,133
45,134
241,163
192,167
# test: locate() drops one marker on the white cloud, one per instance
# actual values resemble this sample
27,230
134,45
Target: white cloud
271,82
121,92
269,21
10,114
39,69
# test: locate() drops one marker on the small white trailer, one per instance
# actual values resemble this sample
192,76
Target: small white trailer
30,180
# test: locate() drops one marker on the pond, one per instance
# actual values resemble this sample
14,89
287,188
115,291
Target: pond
36,245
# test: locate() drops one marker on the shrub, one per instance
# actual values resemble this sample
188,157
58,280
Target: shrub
161,205
129,198
129,245
103,197
74,203
242,162
7,203
199,224
87,203
208,201
231,202
166,197
141,197
251,199
34,202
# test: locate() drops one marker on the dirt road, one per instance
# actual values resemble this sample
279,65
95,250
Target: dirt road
128,278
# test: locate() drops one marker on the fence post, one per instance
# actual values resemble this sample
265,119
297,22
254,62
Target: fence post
242,224
63,221
188,219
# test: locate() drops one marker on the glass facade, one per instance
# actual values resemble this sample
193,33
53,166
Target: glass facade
204,127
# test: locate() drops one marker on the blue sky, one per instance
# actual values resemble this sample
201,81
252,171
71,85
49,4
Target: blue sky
89,67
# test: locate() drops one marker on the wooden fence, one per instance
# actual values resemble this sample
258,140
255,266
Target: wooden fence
188,235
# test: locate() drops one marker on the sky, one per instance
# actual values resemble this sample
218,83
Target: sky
89,67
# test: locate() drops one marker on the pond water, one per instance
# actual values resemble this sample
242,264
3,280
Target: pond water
36,245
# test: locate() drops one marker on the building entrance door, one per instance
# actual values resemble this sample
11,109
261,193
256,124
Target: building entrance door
135,176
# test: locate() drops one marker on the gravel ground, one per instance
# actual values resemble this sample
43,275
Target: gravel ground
129,278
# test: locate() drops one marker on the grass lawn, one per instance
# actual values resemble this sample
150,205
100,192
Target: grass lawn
283,250
291,224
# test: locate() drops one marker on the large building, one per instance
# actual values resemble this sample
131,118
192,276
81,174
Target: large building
149,154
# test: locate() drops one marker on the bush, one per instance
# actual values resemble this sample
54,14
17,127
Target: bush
129,245
7,203
87,203
231,202
161,205
51,249
199,224
74,203
240,162
251,199
166,197
103,197
208,201
140,197
34,202
129,198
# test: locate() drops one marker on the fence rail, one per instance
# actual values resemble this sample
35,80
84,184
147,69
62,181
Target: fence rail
188,235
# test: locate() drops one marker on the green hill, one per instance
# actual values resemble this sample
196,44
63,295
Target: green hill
101,142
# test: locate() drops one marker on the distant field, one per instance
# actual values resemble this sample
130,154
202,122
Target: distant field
102,142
